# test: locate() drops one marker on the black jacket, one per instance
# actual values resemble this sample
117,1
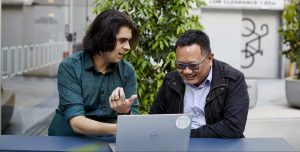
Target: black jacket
226,106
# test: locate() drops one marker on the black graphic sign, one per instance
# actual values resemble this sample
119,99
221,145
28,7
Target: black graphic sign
253,45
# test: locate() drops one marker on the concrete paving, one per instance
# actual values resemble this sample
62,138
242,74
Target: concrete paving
272,116
37,99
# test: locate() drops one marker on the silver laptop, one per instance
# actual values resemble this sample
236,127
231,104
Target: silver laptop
159,132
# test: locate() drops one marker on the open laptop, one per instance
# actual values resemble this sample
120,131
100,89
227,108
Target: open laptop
159,132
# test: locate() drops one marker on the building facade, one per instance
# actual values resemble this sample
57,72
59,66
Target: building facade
244,33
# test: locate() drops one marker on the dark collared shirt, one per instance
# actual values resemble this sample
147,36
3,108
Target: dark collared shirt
85,91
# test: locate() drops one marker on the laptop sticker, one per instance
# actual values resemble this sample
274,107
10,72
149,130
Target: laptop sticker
183,122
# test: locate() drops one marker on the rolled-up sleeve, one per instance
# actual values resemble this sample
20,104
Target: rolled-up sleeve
70,92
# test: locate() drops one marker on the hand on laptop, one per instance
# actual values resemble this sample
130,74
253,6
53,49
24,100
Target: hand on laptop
118,102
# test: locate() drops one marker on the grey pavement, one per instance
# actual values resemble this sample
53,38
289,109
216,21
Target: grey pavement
272,117
37,99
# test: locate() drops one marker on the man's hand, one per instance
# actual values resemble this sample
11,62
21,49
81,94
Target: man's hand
118,102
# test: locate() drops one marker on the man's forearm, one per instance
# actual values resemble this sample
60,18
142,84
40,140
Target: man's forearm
86,126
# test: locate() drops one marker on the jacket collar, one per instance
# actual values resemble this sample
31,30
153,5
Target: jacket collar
176,82
220,77
218,74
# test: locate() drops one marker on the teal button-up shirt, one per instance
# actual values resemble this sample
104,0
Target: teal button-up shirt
85,91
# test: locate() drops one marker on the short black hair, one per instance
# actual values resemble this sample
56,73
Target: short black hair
101,35
191,37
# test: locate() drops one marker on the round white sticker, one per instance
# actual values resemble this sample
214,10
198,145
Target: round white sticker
183,122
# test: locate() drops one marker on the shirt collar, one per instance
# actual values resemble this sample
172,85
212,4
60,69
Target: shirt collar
209,77
88,63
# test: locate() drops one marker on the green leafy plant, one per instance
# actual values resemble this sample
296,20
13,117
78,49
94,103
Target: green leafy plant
160,22
291,33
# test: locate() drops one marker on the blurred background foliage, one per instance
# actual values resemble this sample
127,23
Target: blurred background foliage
290,33
160,22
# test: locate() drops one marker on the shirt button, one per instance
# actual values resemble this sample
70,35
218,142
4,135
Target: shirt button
222,89
207,99
174,83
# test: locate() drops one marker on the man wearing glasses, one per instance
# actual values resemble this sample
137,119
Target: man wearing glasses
213,91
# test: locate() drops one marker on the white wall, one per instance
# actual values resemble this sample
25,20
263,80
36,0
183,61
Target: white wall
82,12
43,24
12,24
267,60
225,28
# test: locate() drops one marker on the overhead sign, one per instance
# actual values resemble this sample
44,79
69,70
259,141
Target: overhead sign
246,4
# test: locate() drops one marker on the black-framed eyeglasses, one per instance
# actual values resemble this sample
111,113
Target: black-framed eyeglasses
193,67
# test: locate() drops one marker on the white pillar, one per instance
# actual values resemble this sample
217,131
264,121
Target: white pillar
0,69
71,26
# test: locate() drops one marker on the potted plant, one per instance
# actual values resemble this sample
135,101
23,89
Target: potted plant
290,33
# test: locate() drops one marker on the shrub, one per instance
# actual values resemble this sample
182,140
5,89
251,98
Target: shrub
291,33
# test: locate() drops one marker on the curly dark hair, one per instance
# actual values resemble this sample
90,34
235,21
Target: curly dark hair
101,35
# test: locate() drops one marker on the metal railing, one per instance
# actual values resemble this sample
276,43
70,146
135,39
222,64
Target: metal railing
17,60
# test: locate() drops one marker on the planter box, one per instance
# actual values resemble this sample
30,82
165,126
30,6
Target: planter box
252,90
